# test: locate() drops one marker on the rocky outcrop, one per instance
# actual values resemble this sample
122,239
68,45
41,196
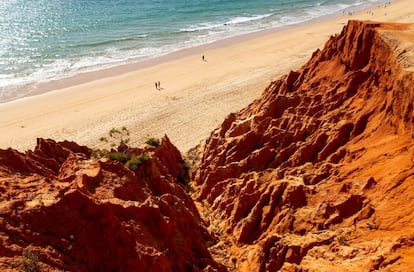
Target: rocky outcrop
62,210
318,169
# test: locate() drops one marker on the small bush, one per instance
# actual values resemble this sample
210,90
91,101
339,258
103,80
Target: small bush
153,141
343,241
372,225
135,161
125,131
99,153
29,261
113,132
124,142
145,157
118,156
117,137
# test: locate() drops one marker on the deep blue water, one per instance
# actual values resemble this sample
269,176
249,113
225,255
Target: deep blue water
48,39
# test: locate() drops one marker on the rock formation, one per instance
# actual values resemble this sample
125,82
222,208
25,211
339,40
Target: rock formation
317,174
62,210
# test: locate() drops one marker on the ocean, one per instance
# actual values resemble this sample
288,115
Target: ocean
43,40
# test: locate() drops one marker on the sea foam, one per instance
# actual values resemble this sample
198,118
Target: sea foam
59,40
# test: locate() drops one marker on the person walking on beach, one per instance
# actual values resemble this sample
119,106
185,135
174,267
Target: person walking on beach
156,85
159,85
203,58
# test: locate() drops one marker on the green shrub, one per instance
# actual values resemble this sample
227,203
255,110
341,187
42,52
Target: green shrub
118,137
135,161
125,131
153,141
124,142
99,153
145,157
118,156
113,132
29,261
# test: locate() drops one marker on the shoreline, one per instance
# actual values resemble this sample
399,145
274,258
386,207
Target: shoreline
195,97
136,64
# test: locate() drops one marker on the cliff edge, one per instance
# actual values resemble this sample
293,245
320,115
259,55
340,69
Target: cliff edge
63,210
317,174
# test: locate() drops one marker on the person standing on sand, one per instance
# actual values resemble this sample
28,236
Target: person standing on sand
156,85
159,85
203,58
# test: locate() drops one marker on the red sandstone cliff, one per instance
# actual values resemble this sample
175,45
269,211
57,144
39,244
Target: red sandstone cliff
318,173
60,210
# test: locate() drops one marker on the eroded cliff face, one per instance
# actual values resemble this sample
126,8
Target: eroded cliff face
317,173
61,210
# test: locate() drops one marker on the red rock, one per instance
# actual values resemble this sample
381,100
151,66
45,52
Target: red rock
79,214
325,154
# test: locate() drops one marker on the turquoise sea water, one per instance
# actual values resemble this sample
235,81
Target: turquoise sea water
42,40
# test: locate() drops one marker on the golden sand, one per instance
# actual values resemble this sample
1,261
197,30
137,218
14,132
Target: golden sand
195,95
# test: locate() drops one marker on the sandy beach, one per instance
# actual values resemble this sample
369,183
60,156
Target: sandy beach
195,95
